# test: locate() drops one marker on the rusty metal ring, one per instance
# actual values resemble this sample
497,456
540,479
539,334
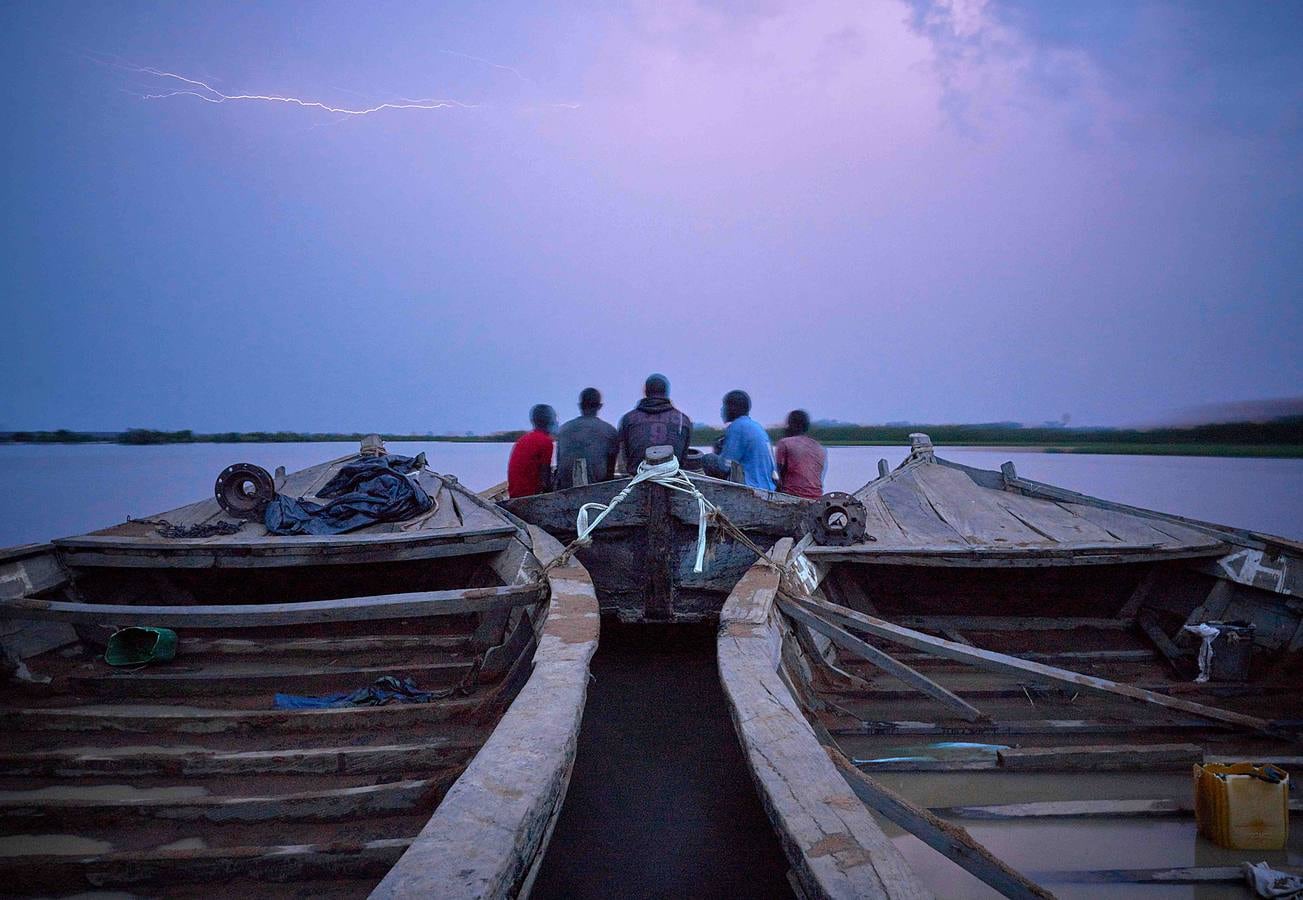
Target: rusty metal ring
836,520
244,490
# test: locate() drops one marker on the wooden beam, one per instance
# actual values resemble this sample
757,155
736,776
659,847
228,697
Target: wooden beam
1178,875
1010,623
950,840
1102,758
259,615
1156,808
172,681
1011,665
139,761
884,661
1175,656
335,860
152,719
1140,594
1026,726
34,809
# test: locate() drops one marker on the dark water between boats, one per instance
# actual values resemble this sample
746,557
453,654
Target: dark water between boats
661,803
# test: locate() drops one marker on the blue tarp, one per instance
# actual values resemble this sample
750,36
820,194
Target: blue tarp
362,493
386,689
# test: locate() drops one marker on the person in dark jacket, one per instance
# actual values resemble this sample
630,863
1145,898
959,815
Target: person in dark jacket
653,422
589,438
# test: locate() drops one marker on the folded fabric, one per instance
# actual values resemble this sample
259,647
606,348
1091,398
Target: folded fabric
362,493
386,689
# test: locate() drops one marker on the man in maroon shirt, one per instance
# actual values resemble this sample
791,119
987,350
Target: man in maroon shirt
529,469
801,459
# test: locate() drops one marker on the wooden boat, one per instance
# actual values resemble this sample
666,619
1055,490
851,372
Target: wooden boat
1001,650
171,777
643,557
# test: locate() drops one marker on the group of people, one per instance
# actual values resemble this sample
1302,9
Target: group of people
796,465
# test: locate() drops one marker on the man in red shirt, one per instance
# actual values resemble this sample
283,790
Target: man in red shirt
529,469
800,458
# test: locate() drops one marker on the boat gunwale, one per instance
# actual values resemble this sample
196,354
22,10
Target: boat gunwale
833,844
524,766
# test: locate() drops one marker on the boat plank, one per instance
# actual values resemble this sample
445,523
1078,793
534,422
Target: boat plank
885,662
25,809
999,662
834,846
970,510
257,615
952,841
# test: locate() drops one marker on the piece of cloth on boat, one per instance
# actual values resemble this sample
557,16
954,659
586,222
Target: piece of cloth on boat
529,464
1268,882
364,492
385,690
588,438
1207,633
801,462
654,422
745,442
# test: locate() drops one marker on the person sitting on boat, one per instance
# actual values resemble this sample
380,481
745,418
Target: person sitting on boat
529,468
745,442
588,438
652,423
802,461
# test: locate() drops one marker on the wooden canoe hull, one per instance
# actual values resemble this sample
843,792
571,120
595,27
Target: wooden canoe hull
185,774
643,555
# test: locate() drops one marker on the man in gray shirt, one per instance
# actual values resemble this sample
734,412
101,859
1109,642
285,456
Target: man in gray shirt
586,437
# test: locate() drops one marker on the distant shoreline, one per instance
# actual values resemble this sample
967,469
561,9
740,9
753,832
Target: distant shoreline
1282,440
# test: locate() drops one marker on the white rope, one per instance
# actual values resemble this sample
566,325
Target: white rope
666,474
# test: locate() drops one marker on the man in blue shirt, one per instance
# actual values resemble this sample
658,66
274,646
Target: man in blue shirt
744,441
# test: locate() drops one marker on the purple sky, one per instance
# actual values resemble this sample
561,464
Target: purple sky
877,211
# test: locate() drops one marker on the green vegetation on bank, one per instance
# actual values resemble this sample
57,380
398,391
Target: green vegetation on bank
1281,438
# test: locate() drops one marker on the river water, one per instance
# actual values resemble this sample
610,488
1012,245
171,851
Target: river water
54,490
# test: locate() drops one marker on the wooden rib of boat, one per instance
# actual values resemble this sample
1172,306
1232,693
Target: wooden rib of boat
173,777
995,629
643,555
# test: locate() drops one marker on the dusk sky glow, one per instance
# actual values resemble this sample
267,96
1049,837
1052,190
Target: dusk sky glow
406,217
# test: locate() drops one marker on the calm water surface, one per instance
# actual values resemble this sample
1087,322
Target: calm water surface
53,490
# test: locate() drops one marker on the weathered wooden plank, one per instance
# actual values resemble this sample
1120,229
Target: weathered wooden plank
1026,726
1157,808
436,753
1140,595
494,824
970,510
287,552
1010,623
832,843
334,647
917,520
1102,758
885,662
34,809
338,859
950,840
1174,655
1000,662
179,680
257,615
140,719
658,602
1179,875
1052,555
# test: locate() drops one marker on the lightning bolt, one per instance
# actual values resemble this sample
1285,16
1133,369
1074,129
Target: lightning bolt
204,91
